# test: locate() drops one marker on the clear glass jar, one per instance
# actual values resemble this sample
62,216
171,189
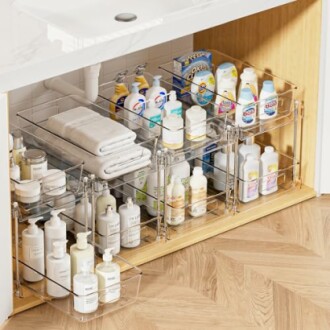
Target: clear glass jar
34,164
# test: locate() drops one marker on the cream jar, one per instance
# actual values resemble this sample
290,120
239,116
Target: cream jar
54,182
34,164
27,191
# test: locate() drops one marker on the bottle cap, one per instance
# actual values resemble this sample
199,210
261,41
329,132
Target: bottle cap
107,255
129,202
246,94
55,219
197,170
269,149
156,81
59,249
248,74
135,87
33,228
172,96
82,240
268,86
151,103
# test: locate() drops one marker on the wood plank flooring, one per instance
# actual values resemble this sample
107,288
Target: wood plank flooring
273,273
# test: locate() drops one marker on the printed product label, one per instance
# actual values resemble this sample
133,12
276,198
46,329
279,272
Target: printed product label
62,275
120,103
86,300
226,103
252,186
37,171
208,158
177,111
160,100
172,139
177,211
139,108
204,96
36,252
198,201
185,182
270,106
271,179
249,114
113,238
112,287
253,90
141,196
155,119
132,233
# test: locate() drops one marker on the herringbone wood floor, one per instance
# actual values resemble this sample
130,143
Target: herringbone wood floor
273,273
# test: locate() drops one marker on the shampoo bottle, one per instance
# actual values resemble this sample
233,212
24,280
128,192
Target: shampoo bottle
58,269
177,203
55,230
196,123
249,80
202,87
117,100
130,218
248,147
220,168
157,93
108,228
198,193
81,253
225,70
108,274
18,148
268,171
225,100
268,101
246,109
173,106
85,286
249,179
140,78
104,200
136,104
152,120
33,251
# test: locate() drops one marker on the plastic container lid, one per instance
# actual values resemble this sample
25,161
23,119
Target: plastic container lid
269,149
246,94
54,177
268,86
27,188
198,170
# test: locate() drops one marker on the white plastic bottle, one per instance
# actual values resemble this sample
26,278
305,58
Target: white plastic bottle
177,214
225,100
152,120
157,93
130,219
268,101
220,168
81,253
202,87
246,109
14,173
225,70
136,103
169,191
173,132
173,106
181,169
104,200
248,147
268,171
58,269
108,228
55,230
198,193
196,123
138,180
249,80
85,286
18,148
108,274
249,179
33,251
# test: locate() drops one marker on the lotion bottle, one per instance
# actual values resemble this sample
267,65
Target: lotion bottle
202,87
225,100
58,269
177,203
33,251
130,218
268,101
157,93
136,104
108,274
246,109
55,230
104,200
173,106
268,171
140,78
249,80
81,253
118,99
220,168
108,228
225,70
198,193
152,120
248,147
85,286
80,211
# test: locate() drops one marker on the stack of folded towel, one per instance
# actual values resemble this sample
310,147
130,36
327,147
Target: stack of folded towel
106,146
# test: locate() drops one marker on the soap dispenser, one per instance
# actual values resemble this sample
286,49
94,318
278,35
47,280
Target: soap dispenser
108,274
173,106
144,85
55,230
58,270
157,93
81,252
108,228
117,100
104,200
33,251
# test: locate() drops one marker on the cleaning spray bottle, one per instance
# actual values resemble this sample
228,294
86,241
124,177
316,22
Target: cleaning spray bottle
144,85
158,93
121,92
108,274
33,251
55,230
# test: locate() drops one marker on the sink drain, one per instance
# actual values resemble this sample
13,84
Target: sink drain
125,17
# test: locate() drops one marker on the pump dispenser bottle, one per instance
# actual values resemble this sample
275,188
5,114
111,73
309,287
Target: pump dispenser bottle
108,228
108,274
157,93
58,269
152,120
86,299
198,193
55,230
117,100
80,211
173,106
81,253
104,200
33,251
140,78
130,218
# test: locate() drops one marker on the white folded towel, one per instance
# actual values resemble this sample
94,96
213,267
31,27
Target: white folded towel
95,133
105,167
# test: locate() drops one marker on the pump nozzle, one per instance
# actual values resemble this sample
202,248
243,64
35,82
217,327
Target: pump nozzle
108,209
139,70
156,81
129,202
33,228
55,219
82,240
59,248
120,77
135,87
107,255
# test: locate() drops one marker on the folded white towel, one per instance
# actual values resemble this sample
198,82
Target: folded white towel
106,167
95,133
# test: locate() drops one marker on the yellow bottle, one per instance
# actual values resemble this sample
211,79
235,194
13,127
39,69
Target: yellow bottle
118,99
144,85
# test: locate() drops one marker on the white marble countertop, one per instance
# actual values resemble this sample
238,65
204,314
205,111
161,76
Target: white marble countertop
44,38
